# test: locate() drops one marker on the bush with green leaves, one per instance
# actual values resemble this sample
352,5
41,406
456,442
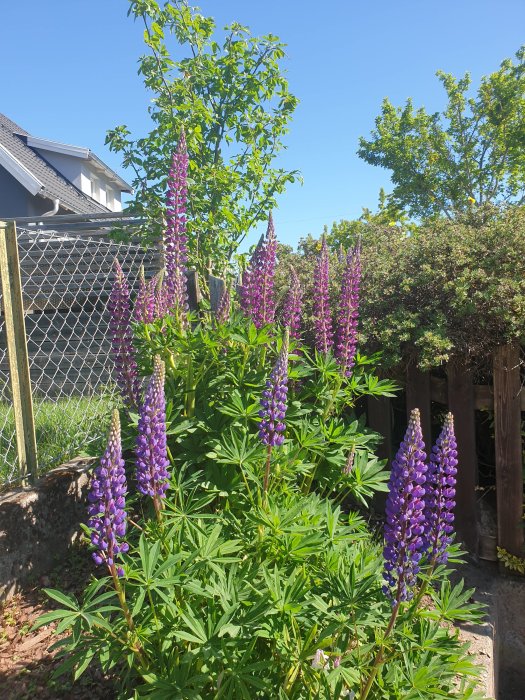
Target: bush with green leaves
434,292
235,590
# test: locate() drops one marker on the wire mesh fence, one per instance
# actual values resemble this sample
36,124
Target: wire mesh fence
66,272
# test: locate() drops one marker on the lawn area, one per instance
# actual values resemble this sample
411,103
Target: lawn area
64,429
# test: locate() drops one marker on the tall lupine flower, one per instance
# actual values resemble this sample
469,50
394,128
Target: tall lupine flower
144,309
151,449
175,238
324,337
440,493
273,401
122,339
107,517
405,519
223,310
349,312
291,316
257,292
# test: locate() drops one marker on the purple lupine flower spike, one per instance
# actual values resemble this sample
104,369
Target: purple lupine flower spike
291,316
119,306
440,493
151,448
324,338
273,401
257,291
144,309
175,238
249,290
405,519
223,310
349,312
107,515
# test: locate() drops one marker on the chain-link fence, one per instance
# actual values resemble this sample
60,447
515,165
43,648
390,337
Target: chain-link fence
66,273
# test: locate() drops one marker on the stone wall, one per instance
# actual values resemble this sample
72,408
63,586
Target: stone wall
39,523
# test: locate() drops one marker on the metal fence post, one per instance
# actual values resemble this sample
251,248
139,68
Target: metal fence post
17,351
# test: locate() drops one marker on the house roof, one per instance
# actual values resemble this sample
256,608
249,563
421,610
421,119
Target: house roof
34,172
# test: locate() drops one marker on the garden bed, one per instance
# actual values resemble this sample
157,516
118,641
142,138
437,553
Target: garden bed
26,664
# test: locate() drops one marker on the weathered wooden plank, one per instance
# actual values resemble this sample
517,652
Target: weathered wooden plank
418,396
194,293
461,405
379,419
507,428
217,287
17,350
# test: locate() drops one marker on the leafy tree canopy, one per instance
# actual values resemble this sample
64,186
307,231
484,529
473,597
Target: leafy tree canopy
232,100
468,156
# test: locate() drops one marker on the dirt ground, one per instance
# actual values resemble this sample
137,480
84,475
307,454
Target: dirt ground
26,665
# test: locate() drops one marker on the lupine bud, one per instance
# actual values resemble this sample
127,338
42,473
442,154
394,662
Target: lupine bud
122,339
273,401
324,337
349,312
349,462
151,450
257,292
440,493
144,309
405,520
291,316
107,517
175,238
223,310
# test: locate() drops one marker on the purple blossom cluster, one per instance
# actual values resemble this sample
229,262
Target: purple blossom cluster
151,448
405,519
291,314
107,517
441,492
122,339
349,312
324,336
419,509
223,310
144,309
273,401
175,238
257,289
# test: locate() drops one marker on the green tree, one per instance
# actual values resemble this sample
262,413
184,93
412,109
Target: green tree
233,102
468,157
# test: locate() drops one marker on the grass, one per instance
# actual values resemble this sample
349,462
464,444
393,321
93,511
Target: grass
64,428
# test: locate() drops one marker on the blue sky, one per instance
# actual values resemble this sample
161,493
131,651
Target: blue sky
69,73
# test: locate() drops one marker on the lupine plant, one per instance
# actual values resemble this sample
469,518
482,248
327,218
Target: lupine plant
122,339
240,563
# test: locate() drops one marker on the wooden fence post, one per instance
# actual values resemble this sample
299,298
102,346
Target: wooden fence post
461,404
507,428
13,306
418,396
217,287
378,410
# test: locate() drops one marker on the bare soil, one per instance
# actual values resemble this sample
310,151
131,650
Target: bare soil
26,664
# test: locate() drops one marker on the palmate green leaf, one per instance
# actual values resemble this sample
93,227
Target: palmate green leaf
452,603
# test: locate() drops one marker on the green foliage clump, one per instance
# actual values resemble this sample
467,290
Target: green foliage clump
238,592
232,100
435,291
469,154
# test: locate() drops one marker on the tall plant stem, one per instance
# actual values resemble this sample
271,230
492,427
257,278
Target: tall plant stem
379,656
189,407
333,398
136,648
267,473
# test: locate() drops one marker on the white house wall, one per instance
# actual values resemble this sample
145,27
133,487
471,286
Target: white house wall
79,172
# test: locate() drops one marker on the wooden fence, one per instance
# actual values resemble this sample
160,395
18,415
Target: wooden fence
462,397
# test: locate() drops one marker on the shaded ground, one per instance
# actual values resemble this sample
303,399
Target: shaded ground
26,665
